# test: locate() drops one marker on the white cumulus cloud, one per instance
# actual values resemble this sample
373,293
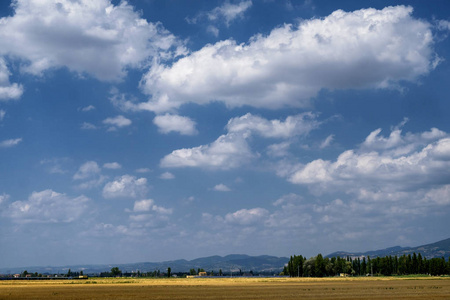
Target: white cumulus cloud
90,175
300,124
148,205
247,216
93,37
232,150
229,11
221,188
226,13
168,123
8,91
119,121
87,170
228,151
112,165
384,166
293,63
125,186
47,206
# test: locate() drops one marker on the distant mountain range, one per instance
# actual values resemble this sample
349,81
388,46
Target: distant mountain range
235,262
230,263
438,249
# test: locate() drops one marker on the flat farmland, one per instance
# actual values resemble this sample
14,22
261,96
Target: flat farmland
230,288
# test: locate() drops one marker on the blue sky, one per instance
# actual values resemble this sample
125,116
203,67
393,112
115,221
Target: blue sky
157,130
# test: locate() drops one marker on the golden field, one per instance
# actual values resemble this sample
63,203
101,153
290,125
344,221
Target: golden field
230,288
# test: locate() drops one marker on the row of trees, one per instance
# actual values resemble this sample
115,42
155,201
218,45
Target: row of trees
116,272
318,266
36,274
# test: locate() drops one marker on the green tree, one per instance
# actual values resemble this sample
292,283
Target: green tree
220,272
308,267
420,268
363,266
395,270
415,264
369,266
319,266
168,271
115,271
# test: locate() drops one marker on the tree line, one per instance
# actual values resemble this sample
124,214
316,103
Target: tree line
318,266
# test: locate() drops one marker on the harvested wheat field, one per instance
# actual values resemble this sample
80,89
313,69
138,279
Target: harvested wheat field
231,288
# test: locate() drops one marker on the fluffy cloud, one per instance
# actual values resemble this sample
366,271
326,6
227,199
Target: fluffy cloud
87,170
88,126
125,186
90,175
94,37
87,108
8,91
383,168
146,214
327,142
344,221
10,143
143,205
213,30
148,206
397,144
119,121
227,12
246,216
221,188
228,151
231,150
47,207
168,123
300,124
2,114
294,62
112,165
